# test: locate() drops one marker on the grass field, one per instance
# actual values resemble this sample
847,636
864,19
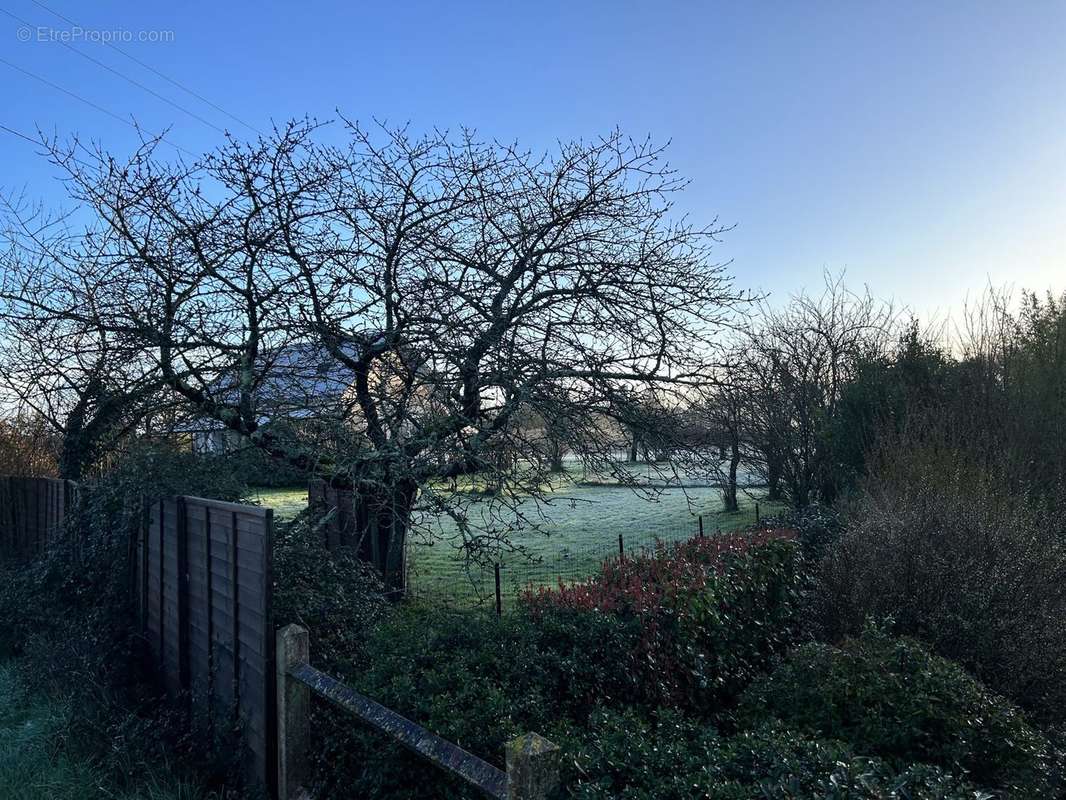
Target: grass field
581,529
41,760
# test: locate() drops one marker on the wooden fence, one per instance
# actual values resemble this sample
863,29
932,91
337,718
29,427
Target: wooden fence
205,584
533,763
372,529
32,513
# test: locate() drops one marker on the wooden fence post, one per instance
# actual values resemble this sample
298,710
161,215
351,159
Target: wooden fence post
532,768
294,713
499,594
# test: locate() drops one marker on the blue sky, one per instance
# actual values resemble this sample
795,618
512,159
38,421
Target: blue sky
919,146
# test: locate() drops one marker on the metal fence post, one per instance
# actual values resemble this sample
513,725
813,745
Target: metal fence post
701,525
532,768
294,713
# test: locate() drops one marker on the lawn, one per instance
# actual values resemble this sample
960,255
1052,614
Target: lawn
581,529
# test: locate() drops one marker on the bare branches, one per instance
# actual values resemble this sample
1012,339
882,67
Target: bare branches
467,295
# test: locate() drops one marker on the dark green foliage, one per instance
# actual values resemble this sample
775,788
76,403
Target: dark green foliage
879,717
817,527
331,593
881,395
70,619
256,468
716,615
623,755
957,558
891,698
478,682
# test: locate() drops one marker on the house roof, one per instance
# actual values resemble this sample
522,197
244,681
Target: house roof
296,381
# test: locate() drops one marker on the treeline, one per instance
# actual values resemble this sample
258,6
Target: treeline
815,391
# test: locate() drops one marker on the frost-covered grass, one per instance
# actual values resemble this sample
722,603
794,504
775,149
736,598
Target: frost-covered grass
581,530
583,520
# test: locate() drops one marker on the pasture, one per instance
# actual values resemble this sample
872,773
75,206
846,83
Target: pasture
580,528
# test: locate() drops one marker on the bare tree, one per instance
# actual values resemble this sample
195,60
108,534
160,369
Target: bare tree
799,358
460,284
81,380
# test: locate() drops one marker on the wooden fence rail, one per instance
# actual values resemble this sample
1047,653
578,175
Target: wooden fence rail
204,580
33,512
532,761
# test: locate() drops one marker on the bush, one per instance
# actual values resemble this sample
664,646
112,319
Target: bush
960,559
331,593
476,681
891,698
627,757
69,617
817,528
713,612
690,623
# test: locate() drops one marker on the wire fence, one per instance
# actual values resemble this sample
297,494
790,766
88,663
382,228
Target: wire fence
439,574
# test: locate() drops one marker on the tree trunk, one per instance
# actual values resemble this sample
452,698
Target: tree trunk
773,478
71,457
374,524
394,526
730,492
556,455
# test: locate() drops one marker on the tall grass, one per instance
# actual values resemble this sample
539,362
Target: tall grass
40,760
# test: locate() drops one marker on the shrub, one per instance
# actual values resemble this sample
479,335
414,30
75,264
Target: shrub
962,560
817,527
891,698
333,594
476,681
644,632
627,757
712,612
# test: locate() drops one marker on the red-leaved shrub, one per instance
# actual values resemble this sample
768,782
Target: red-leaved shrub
712,611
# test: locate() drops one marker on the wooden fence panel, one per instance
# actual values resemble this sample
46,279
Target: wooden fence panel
206,576
33,512
373,532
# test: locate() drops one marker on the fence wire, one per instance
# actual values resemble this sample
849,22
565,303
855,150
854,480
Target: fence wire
446,578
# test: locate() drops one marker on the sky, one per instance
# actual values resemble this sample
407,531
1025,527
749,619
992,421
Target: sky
919,147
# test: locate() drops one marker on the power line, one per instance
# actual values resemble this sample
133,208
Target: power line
14,132
121,75
153,70
91,104
39,143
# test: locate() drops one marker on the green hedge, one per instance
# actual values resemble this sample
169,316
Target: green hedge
625,756
889,697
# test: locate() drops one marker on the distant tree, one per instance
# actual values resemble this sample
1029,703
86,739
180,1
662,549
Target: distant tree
731,416
459,282
1007,398
800,360
885,391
